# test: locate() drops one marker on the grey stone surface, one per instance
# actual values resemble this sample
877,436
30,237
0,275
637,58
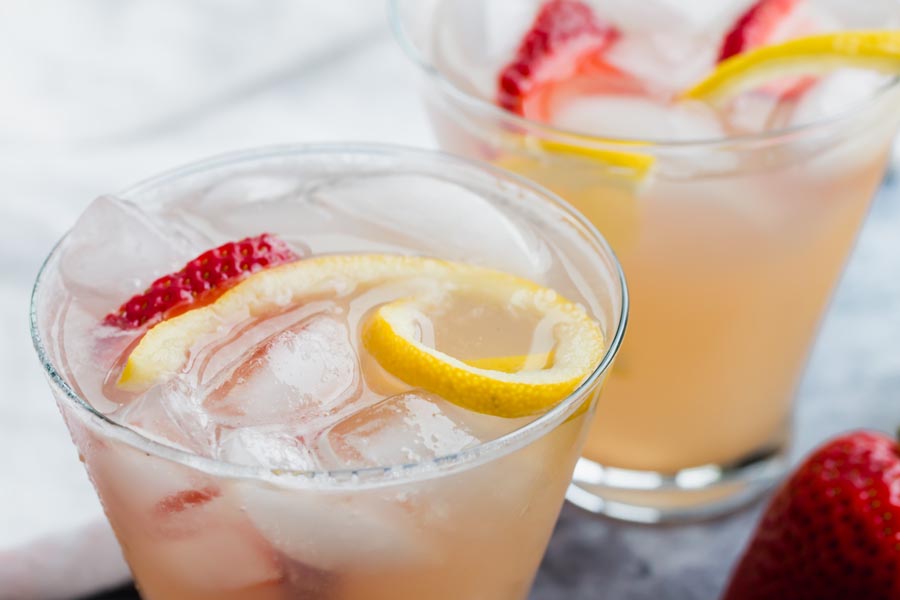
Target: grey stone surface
853,381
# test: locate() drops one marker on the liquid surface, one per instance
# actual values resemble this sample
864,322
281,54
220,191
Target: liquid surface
661,49
296,389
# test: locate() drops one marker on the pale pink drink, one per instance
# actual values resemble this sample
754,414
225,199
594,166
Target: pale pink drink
278,459
732,221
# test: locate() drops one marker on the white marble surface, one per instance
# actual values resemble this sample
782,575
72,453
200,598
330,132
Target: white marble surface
96,97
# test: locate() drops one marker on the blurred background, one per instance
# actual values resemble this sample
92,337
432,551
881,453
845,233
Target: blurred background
98,94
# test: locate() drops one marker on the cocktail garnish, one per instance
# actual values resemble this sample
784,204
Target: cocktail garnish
201,280
812,55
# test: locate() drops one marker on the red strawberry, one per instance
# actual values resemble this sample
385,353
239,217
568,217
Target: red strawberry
757,26
185,499
832,531
201,280
564,34
595,76
763,24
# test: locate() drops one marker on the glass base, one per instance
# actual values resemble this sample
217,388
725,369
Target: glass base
689,495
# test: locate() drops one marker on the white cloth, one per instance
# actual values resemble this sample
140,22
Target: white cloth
63,564
96,96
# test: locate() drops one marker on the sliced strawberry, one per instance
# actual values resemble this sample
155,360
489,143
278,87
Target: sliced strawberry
766,23
564,34
595,76
757,27
183,500
201,280
833,531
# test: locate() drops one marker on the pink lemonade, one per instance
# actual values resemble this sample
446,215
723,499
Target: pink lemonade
732,218
373,381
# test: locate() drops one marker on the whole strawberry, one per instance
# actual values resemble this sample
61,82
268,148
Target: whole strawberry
832,531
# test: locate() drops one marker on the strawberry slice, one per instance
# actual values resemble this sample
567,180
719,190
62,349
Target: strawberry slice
564,35
762,24
201,281
832,531
595,76
185,499
756,27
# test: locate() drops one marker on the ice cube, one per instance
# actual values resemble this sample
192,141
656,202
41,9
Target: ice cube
484,427
408,428
505,25
422,214
116,250
329,530
638,117
479,32
836,93
656,15
878,14
665,62
173,414
757,112
299,374
246,204
84,348
244,188
177,520
147,496
275,447
226,554
201,538
473,40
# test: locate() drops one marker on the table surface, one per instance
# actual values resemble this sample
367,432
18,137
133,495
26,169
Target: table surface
364,89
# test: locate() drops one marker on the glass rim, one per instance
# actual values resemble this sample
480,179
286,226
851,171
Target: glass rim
377,476
414,53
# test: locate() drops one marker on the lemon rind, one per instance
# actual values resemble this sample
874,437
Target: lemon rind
389,336
811,55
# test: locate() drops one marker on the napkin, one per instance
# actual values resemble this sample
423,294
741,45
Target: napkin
65,564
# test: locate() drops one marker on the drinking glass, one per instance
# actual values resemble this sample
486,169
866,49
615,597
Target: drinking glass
472,524
732,247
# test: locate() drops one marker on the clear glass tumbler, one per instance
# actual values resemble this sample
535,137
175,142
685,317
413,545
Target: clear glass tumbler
473,524
732,249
